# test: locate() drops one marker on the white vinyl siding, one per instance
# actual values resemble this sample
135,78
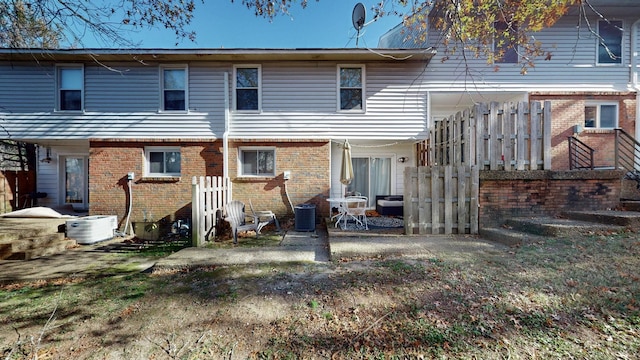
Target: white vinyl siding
571,65
123,88
22,85
396,104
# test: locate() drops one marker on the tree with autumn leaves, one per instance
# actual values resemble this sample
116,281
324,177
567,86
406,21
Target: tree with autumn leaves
468,27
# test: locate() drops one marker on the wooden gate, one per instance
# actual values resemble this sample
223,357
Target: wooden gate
441,200
209,194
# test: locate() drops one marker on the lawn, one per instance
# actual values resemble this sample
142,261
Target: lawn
560,298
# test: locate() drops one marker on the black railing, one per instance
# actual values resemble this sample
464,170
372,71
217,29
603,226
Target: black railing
580,154
627,152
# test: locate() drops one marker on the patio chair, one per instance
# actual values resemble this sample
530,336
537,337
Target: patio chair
264,217
237,218
356,209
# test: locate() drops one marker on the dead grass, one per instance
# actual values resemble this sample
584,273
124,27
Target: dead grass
561,298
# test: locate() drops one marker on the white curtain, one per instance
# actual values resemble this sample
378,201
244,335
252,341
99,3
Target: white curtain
372,176
380,177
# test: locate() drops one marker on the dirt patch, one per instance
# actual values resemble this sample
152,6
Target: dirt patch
559,298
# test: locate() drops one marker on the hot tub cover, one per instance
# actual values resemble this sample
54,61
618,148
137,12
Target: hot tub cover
35,212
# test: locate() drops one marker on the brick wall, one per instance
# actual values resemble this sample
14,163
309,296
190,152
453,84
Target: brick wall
505,194
567,110
309,164
153,198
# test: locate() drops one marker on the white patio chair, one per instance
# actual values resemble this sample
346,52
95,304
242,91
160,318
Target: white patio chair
264,217
356,208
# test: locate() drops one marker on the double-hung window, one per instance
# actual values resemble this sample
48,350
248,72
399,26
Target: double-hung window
70,80
162,161
600,115
609,42
504,50
174,88
257,161
247,82
351,87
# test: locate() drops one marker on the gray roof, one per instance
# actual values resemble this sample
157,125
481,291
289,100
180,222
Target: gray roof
236,55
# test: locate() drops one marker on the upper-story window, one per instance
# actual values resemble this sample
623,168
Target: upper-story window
246,85
351,87
601,115
257,161
162,161
174,88
70,82
610,42
504,50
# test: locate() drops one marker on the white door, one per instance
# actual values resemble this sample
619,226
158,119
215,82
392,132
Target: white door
75,174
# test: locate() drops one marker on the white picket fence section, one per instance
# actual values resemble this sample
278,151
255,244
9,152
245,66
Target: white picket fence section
209,195
494,136
441,200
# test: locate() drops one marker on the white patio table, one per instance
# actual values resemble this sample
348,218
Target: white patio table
342,208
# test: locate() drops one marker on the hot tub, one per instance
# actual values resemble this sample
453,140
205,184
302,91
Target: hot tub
92,229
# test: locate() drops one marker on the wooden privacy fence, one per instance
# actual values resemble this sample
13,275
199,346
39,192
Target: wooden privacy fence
209,194
441,200
495,137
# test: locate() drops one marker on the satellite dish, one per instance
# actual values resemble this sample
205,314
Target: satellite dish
358,16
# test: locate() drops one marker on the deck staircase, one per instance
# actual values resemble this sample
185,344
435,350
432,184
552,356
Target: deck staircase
520,231
26,239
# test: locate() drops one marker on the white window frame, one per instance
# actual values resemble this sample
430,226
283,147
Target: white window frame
164,149
599,39
258,89
362,87
242,149
598,105
59,88
183,67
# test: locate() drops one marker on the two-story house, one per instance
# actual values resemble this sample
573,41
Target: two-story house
590,75
159,117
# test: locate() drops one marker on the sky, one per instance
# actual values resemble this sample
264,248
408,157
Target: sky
322,24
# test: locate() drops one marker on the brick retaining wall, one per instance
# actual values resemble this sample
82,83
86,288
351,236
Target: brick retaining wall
505,194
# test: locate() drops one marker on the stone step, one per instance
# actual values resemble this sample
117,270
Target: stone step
508,236
19,245
628,219
630,205
17,228
558,227
51,249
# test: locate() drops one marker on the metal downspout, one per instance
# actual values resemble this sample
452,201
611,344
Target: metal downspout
225,136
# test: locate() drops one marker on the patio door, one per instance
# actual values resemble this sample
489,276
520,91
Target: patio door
74,184
372,176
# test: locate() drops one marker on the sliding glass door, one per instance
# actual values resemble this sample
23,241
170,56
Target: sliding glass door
372,176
